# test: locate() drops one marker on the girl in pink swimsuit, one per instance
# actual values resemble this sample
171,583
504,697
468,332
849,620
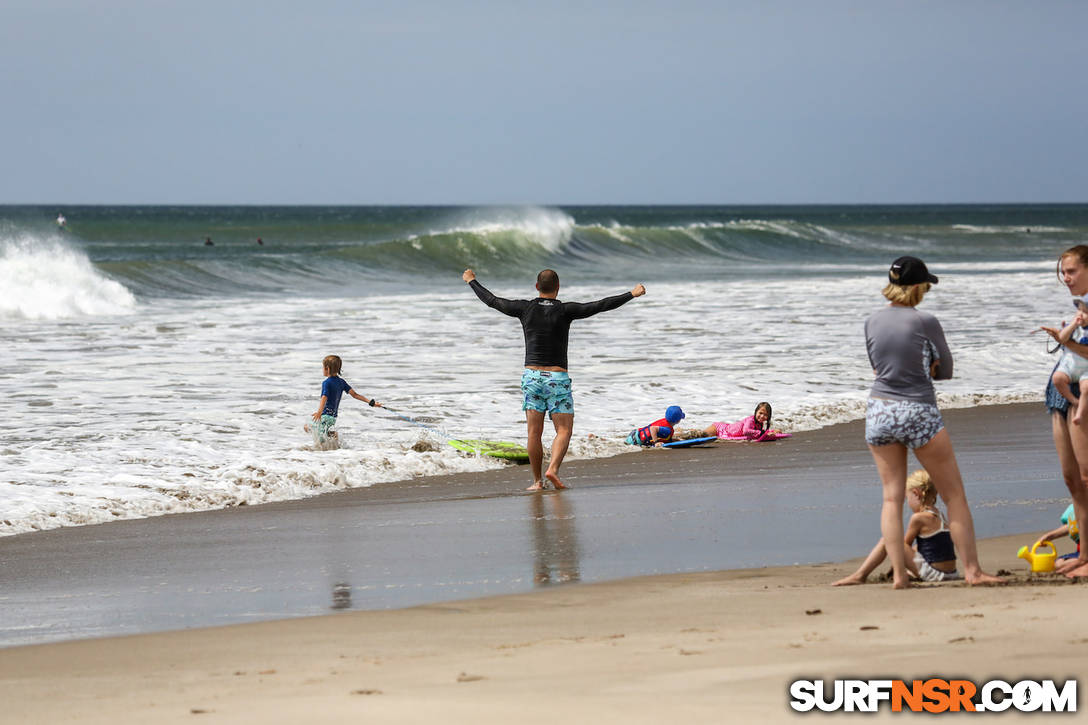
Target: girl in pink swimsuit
756,427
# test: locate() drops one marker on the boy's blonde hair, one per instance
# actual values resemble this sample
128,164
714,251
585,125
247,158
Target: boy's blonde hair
920,479
909,295
332,363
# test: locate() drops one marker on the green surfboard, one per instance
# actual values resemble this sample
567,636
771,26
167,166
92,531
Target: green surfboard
496,449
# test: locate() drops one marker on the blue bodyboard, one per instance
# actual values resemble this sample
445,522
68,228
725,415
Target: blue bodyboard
690,442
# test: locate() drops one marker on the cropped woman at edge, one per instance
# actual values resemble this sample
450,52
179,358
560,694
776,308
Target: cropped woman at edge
907,350
1071,441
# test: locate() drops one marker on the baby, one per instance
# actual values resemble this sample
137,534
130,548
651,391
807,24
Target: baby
1071,366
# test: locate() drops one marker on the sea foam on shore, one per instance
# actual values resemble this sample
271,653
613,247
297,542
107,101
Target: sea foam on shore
185,386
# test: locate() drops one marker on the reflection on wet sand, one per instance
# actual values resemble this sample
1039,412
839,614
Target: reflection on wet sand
341,543
341,595
555,543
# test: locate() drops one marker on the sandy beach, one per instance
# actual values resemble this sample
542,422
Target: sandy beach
267,269
698,646
693,647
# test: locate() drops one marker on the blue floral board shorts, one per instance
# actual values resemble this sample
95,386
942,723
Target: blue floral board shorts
321,430
901,421
546,391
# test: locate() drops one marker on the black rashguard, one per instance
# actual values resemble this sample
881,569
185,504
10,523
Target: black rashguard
546,322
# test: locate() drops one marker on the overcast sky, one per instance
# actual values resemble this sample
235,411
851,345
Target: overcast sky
538,102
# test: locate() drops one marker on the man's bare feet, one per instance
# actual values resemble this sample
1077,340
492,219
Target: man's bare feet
849,581
554,478
537,486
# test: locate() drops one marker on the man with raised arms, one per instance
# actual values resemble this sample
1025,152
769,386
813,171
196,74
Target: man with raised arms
545,384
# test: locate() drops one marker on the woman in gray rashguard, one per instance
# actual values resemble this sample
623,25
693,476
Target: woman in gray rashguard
907,350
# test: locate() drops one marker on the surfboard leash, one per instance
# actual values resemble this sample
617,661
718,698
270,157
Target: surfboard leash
413,421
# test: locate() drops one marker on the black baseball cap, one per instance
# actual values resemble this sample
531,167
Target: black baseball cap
906,271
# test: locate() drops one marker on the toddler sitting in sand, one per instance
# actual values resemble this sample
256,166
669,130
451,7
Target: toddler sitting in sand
1068,528
934,559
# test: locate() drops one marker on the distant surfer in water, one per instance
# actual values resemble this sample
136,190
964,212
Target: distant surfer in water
545,383
61,221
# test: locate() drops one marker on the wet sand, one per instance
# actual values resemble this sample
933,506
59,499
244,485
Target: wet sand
609,643
812,498
706,647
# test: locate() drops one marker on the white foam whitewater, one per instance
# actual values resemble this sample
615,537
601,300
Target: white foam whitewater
548,228
45,278
198,404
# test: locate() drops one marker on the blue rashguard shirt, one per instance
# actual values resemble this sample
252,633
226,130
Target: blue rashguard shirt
333,388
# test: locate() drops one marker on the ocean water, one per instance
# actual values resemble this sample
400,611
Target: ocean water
147,373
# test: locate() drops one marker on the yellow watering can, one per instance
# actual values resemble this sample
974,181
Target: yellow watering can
1040,562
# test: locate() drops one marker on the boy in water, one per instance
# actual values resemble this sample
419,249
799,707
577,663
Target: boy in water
659,432
331,391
